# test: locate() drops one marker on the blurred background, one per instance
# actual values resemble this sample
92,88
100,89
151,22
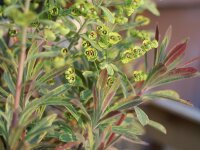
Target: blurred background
182,122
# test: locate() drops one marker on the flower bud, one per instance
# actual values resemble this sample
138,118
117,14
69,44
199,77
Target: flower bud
86,44
91,54
139,76
114,37
127,56
64,51
54,11
92,35
121,20
69,71
154,44
71,78
146,45
102,30
70,75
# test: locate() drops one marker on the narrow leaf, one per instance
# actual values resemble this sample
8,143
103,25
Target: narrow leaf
101,83
168,94
142,116
176,74
175,53
9,81
108,14
164,44
157,126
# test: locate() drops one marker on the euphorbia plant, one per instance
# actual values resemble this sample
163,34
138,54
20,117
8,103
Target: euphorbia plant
62,80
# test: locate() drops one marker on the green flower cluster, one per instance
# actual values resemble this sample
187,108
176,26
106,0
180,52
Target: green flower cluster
70,75
127,10
106,38
148,44
84,8
130,7
141,34
139,76
103,37
136,52
91,53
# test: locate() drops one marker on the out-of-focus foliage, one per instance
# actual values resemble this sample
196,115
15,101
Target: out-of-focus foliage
74,92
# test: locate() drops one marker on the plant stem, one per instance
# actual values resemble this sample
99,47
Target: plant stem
146,62
20,67
119,122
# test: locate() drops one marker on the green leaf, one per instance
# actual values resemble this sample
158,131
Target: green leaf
9,110
30,67
85,94
8,62
48,99
156,72
109,69
3,115
3,92
142,116
130,128
3,130
50,75
108,14
124,131
88,74
165,44
102,80
124,87
157,126
9,81
67,137
47,54
14,136
128,2
73,112
126,103
69,23
38,132
151,6
167,94
78,104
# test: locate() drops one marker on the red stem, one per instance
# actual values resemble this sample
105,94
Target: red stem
119,122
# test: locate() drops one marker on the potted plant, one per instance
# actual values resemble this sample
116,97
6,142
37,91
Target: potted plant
63,78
